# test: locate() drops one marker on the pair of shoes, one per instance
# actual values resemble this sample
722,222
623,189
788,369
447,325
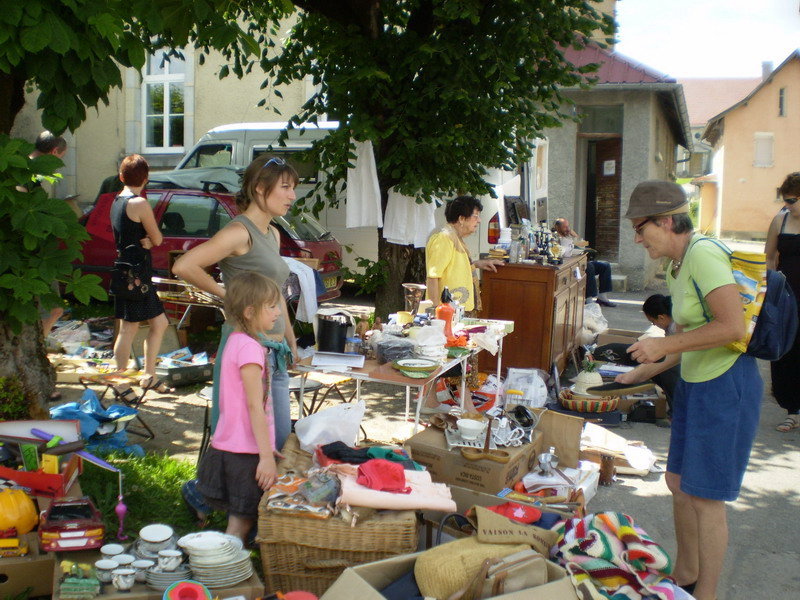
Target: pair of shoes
789,423
159,385
604,302
126,394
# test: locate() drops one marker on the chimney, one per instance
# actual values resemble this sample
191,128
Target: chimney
766,69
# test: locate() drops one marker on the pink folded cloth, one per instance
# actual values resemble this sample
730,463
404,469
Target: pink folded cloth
424,495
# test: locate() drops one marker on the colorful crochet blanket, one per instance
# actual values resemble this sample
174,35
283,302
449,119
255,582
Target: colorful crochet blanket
621,560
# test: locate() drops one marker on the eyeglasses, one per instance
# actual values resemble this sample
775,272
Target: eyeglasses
790,200
274,161
637,229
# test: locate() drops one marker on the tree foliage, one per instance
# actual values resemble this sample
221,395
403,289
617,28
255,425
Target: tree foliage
445,89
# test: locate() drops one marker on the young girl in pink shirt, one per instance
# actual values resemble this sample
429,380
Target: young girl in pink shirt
240,464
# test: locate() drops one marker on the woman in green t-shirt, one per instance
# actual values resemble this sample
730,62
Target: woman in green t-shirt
717,400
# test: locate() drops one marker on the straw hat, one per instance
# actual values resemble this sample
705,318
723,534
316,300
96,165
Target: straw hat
448,568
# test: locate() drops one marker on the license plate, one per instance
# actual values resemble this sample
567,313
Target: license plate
329,282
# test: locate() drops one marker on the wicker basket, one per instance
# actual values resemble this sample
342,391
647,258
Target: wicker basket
594,404
309,554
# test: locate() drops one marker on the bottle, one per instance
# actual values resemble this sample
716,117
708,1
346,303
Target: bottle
445,312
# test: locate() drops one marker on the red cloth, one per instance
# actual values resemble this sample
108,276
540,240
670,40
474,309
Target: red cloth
517,512
383,475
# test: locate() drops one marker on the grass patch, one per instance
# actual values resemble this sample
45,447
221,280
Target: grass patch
151,487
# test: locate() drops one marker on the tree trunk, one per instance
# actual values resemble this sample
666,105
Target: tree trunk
24,355
12,99
406,265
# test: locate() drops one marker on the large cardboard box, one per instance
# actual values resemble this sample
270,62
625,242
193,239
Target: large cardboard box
34,570
429,448
365,581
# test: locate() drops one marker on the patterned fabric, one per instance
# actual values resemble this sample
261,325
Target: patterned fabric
620,559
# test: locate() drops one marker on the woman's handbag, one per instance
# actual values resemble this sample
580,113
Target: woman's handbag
130,277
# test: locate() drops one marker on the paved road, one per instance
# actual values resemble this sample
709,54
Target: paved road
764,522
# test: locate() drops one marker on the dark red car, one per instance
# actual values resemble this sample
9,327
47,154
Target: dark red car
189,217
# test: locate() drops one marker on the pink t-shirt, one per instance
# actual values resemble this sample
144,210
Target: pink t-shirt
234,432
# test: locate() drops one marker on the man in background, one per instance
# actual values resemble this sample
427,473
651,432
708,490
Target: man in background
572,245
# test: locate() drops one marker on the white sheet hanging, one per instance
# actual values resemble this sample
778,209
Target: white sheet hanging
307,303
408,222
363,207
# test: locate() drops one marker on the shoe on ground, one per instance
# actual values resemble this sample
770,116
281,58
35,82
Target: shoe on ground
604,302
789,423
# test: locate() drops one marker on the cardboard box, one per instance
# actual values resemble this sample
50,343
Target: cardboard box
618,336
563,432
35,570
364,581
429,448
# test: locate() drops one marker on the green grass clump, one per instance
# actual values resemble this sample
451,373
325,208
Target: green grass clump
151,486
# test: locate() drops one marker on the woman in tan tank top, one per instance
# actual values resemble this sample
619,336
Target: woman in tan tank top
250,243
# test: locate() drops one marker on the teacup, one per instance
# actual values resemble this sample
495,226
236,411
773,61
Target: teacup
123,579
141,567
103,569
123,560
109,551
169,560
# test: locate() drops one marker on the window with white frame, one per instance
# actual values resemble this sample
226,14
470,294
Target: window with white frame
163,85
763,142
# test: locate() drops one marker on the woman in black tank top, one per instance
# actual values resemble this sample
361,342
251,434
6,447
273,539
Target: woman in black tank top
134,224
783,253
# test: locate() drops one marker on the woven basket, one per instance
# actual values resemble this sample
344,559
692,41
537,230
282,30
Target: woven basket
593,404
309,554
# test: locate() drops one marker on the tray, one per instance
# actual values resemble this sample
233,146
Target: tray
454,440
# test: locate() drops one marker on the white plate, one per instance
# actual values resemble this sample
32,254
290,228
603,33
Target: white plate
204,541
420,364
156,533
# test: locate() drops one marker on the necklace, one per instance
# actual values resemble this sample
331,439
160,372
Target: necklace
676,264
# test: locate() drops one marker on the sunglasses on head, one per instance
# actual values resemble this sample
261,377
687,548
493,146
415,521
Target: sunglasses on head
790,200
274,161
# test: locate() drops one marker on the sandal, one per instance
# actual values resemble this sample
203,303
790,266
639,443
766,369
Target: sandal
126,394
159,385
789,423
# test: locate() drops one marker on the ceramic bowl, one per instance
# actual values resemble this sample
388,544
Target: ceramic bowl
123,560
123,579
169,560
141,567
470,429
103,569
111,550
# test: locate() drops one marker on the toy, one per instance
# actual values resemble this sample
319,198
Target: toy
17,510
71,524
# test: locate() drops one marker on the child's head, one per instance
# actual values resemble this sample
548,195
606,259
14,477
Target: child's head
658,310
252,302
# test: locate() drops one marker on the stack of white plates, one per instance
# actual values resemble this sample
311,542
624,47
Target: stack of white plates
161,580
217,560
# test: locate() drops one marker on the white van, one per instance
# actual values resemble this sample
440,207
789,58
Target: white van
239,143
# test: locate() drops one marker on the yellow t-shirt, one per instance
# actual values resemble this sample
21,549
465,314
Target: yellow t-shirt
452,267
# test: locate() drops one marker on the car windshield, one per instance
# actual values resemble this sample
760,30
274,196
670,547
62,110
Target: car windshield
70,512
304,227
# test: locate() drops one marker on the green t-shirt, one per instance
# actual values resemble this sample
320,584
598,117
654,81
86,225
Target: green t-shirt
709,266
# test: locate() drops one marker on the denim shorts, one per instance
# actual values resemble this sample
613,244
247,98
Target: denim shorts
714,424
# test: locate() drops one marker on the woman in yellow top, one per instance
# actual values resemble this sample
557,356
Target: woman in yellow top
448,264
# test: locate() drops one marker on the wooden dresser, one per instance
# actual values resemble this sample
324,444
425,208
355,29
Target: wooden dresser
546,305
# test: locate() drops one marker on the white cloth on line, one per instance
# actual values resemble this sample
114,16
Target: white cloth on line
363,208
307,303
408,222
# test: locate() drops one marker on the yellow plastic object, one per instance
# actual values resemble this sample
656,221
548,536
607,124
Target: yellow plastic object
17,510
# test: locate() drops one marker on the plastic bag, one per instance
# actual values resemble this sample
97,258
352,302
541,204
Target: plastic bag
526,386
339,423
593,318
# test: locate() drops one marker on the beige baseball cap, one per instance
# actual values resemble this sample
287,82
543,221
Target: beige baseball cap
657,199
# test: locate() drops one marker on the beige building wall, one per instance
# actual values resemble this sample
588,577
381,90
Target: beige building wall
749,193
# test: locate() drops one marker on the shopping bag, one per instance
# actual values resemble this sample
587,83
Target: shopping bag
338,423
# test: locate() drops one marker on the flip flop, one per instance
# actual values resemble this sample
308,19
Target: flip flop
789,423
620,389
